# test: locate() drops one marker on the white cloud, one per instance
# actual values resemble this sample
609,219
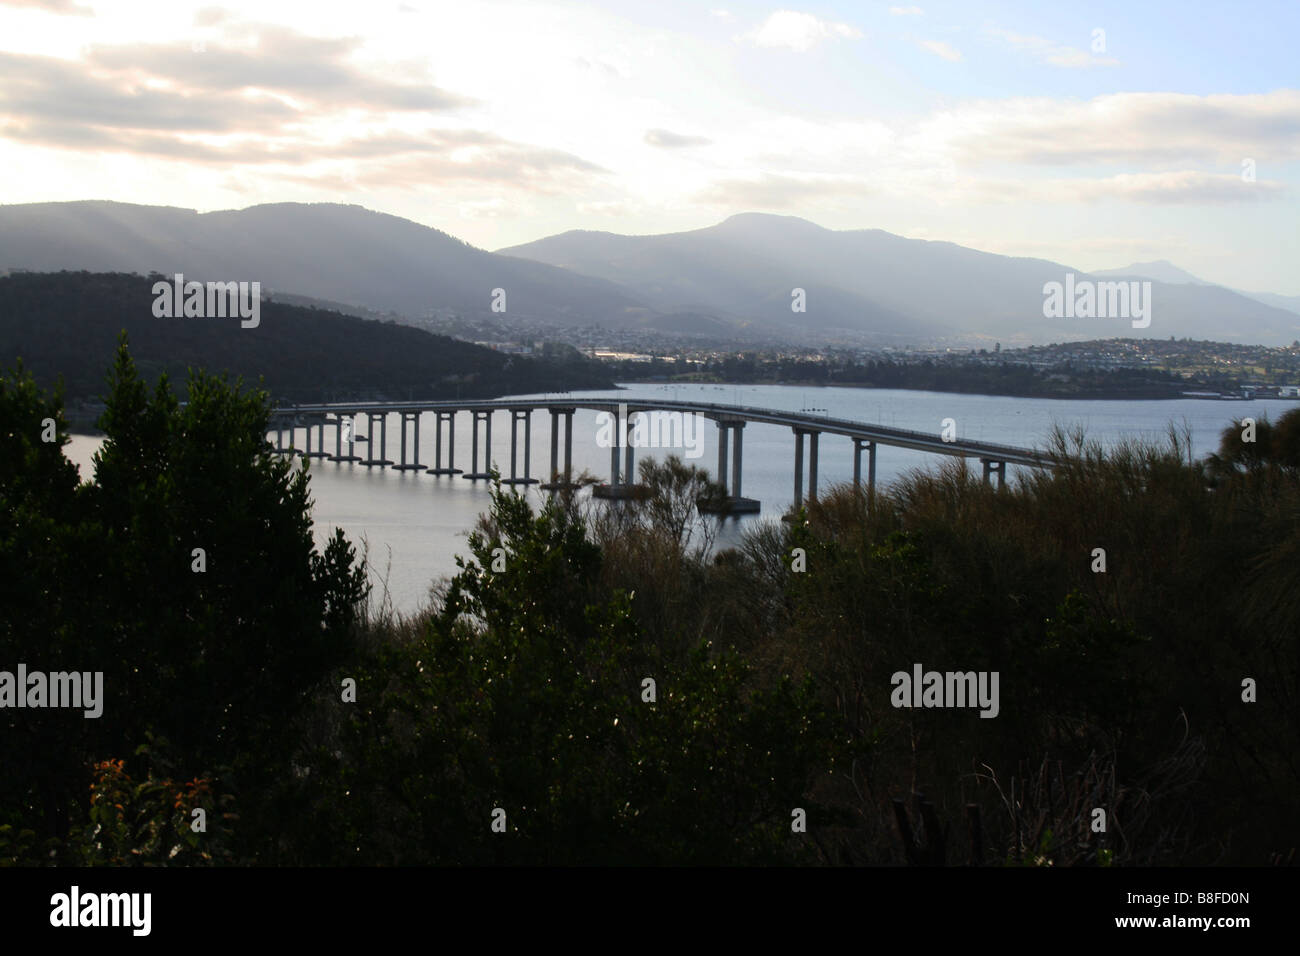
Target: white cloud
1045,51
1137,129
939,48
906,11
799,32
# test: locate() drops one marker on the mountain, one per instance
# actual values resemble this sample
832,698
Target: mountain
1289,302
877,282
66,324
732,281
1161,270
1166,271
327,251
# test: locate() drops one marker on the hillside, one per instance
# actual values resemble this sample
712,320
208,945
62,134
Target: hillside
878,282
67,324
327,251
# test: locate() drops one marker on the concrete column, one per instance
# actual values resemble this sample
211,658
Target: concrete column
722,456
450,419
613,451
629,467
737,439
279,436
812,465
451,442
473,423
988,467
338,436
514,437
555,445
402,418
860,445
568,447
798,467
415,419
320,438
308,430
528,445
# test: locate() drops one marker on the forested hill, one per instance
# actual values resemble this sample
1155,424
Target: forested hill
68,322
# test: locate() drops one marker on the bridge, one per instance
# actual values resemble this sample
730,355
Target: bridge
728,418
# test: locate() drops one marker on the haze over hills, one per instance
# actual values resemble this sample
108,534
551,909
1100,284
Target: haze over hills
346,254
730,281
876,280
1166,271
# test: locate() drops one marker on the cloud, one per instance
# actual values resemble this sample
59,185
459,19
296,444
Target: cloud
1045,51
1162,188
67,7
1137,129
211,16
280,60
668,140
273,103
50,91
906,11
939,48
799,32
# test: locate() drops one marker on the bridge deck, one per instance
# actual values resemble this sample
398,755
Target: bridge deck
896,437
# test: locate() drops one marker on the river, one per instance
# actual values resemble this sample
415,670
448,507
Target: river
414,524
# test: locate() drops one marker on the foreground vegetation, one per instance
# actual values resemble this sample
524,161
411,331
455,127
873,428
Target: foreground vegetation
625,693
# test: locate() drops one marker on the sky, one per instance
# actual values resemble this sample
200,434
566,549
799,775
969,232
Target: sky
1094,134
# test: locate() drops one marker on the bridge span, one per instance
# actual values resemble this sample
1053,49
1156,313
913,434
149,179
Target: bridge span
728,419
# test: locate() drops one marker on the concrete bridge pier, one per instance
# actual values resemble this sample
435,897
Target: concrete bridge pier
320,451
723,427
798,468
629,462
613,450
812,465
858,445
813,435
383,458
619,486
733,502
560,480
451,469
414,464
475,474
518,415
340,420
992,466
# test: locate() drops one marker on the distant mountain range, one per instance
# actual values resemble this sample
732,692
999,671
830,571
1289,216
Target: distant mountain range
731,280
1166,271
